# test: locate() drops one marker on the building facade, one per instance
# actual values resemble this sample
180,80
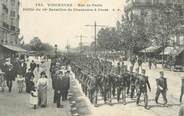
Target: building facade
9,28
150,9
9,22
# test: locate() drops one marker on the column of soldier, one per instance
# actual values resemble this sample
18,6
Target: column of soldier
99,78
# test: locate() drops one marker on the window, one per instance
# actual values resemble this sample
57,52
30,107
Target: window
12,21
12,13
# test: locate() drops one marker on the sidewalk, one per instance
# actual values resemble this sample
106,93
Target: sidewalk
15,104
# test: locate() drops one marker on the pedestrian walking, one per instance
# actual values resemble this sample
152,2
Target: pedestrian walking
36,73
66,82
34,97
59,88
20,83
121,89
11,74
32,65
28,77
143,82
42,85
161,88
133,79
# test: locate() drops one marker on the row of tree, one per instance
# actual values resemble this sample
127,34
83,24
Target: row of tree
37,45
136,32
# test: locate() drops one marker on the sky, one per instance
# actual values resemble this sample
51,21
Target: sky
62,27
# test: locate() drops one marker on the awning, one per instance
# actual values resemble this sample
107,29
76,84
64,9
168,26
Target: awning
151,49
172,51
14,48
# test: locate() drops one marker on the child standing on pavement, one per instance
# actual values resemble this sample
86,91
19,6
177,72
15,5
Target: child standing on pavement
34,97
20,83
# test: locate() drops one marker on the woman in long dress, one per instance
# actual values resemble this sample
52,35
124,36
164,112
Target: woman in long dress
20,83
36,73
42,85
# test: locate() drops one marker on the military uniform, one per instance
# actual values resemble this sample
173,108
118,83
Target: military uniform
133,80
161,89
106,88
121,88
92,89
143,82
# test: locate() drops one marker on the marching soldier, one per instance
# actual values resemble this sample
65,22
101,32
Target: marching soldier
106,87
161,88
133,79
90,89
84,83
127,78
113,81
121,89
143,82
98,87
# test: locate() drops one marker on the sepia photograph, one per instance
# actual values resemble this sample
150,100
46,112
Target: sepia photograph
91,57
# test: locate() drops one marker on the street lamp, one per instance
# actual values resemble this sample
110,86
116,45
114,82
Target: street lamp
56,46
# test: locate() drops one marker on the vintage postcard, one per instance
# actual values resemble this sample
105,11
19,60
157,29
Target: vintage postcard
91,57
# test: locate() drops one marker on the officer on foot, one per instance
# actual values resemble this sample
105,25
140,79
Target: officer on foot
161,88
121,88
133,79
143,82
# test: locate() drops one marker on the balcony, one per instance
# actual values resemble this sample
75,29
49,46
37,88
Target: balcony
5,25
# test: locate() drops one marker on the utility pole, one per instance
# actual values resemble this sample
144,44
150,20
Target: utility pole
81,44
95,28
81,41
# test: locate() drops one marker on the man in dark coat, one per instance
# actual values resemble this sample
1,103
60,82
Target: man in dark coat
121,88
60,88
32,66
133,78
66,86
24,68
29,76
10,77
143,82
161,87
